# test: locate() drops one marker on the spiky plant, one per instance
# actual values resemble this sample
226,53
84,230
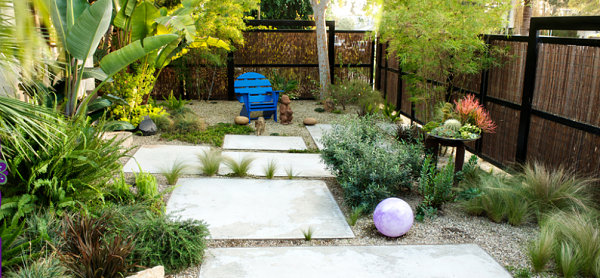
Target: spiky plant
211,161
290,173
239,168
173,173
355,215
580,231
540,250
567,257
308,233
48,267
270,169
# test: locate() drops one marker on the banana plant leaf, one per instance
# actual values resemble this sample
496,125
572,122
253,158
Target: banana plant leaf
118,125
142,21
96,73
64,13
84,36
117,60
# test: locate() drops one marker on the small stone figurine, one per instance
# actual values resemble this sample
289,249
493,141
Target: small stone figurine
259,125
285,111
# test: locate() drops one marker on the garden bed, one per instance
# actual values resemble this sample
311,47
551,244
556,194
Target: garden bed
506,243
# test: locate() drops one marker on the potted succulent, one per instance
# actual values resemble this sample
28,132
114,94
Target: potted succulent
466,120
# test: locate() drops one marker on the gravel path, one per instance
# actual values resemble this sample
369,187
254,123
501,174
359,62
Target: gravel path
507,244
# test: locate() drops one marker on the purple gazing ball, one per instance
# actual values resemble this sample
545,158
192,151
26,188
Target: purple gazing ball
393,217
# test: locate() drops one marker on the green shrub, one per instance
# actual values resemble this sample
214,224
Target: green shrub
134,86
146,185
74,168
15,250
435,187
163,122
46,226
48,267
176,245
188,123
120,190
90,252
369,165
175,106
212,135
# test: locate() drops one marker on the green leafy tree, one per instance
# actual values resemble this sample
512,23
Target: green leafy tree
285,9
440,38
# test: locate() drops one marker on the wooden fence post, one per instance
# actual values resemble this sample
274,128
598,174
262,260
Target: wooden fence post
372,67
483,88
528,89
331,49
385,75
230,76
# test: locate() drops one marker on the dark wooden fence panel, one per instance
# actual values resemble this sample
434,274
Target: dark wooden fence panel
568,82
294,47
502,145
506,82
558,144
288,53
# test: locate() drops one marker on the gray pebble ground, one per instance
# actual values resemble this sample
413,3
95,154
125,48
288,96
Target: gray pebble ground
507,244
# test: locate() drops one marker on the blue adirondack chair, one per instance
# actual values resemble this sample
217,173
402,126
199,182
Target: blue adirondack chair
255,92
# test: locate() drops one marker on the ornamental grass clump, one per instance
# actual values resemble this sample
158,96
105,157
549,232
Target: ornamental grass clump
530,194
211,162
239,168
369,164
571,239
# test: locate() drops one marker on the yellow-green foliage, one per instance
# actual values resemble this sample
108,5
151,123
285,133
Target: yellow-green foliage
135,115
133,86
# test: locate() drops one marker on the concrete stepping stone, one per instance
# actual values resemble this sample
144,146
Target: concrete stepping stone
155,158
267,143
302,164
420,261
316,132
259,209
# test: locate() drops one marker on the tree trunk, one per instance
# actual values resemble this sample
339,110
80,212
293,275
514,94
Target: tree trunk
324,73
526,18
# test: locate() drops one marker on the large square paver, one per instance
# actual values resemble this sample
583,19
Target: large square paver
422,261
156,158
317,131
302,164
259,209
268,143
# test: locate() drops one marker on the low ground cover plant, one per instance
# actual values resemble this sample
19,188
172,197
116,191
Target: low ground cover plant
213,135
369,165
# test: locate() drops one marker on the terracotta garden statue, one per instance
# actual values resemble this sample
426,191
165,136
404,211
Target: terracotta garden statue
285,111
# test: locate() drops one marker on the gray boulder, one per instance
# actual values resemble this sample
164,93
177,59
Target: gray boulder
147,127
